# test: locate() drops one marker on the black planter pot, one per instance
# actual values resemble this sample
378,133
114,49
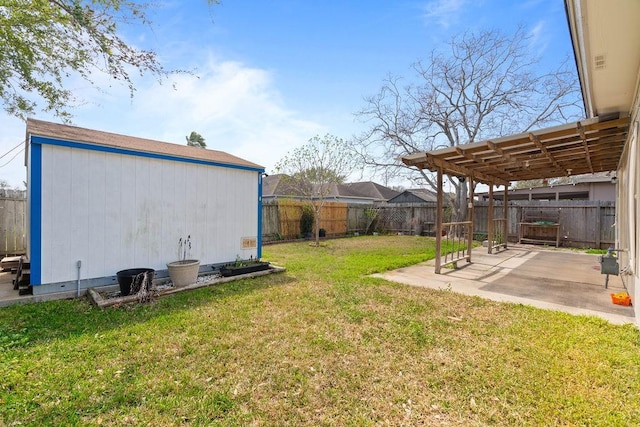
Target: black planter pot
227,270
126,277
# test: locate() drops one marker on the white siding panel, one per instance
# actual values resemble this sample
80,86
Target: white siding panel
81,211
167,221
112,214
143,211
128,212
155,195
179,206
201,211
115,211
190,220
56,215
94,261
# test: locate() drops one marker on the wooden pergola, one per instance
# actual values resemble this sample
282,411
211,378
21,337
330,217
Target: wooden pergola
588,146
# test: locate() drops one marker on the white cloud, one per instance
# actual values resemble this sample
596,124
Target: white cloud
539,38
444,12
237,109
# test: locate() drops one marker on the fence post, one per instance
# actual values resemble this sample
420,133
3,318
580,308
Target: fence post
439,208
471,218
490,221
598,223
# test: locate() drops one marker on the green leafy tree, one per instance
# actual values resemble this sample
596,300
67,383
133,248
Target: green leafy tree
195,140
44,42
314,175
314,168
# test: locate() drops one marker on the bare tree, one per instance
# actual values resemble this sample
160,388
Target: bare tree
485,86
314,169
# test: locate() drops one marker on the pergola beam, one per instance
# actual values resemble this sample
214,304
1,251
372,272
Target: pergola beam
432,163
582,147
536,140
583,136
506,156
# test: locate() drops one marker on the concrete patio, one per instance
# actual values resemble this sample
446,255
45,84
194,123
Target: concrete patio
554,279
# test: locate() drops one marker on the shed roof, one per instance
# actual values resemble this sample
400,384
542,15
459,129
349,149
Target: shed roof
95,137
588,146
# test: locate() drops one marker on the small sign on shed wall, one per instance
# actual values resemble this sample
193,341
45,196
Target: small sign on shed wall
249,242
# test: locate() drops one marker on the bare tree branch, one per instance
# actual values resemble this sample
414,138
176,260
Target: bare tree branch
485,85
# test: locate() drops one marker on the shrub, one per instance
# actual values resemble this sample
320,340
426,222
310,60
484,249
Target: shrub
306,220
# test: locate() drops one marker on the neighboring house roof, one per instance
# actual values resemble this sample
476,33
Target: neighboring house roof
368,189
278,186
123,142
414,195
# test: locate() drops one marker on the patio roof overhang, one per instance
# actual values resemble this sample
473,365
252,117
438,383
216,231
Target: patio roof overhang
588,146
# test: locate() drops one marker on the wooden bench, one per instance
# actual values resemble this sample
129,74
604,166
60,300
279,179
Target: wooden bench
540,226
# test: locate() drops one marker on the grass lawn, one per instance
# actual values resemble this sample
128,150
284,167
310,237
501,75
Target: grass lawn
321,344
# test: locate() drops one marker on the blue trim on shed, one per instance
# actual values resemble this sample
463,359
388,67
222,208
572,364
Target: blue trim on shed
114,150
259,249
35,209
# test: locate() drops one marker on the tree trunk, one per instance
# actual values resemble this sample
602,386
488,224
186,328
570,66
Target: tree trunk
316,218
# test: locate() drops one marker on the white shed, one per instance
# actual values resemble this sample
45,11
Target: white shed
100,202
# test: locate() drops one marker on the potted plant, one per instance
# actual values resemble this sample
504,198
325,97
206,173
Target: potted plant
184,271
131,279
241,266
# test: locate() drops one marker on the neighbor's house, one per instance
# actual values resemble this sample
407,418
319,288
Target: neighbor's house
606,42
100,202
591,187
368,192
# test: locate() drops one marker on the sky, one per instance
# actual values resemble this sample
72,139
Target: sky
268,76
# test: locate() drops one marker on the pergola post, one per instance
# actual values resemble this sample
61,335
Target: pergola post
439,209
471,217
505,224
490,220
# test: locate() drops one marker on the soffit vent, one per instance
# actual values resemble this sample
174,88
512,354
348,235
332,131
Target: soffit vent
599,61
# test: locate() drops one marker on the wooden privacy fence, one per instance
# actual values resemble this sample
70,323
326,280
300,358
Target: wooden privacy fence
408,218
582,223
281,219
12,222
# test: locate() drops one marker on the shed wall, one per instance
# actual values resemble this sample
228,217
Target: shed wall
114,211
